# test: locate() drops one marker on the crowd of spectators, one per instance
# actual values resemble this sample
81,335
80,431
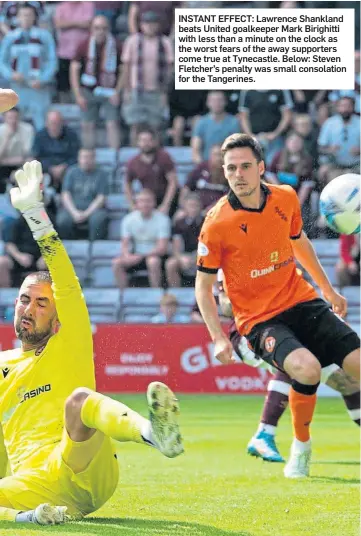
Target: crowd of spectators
114,61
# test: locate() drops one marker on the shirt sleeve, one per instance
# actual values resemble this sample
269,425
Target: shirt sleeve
167,162
209,251
164,230
69,299
198,129
67,181
296,222
126,228
324,137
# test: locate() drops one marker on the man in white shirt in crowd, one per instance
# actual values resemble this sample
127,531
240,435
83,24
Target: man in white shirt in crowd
145,236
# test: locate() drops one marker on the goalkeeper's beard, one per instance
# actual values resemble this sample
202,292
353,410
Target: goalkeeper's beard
35,336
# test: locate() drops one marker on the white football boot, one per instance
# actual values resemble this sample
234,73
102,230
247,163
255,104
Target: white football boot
298,465
163,415
45,514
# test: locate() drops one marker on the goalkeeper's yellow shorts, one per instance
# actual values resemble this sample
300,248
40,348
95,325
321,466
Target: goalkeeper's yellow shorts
81,476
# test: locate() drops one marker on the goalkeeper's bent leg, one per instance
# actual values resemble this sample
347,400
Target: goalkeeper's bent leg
90,410
87,411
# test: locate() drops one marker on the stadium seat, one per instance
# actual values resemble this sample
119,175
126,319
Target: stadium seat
100,269
141,301
114,228
79,251
352,295
7,303
327,248
106,157
117,206
126,153
103,304
137,318
180,155
117,203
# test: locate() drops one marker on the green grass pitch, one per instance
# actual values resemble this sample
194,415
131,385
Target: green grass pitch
215,489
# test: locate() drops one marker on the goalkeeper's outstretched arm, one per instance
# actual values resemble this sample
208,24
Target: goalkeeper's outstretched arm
69,299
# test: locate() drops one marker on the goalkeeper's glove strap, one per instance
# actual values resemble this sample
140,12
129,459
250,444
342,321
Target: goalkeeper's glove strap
38,221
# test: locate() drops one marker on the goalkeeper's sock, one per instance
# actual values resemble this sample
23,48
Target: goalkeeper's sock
115,419
25,517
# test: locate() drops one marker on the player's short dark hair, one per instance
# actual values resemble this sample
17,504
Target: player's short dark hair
41,277
237,141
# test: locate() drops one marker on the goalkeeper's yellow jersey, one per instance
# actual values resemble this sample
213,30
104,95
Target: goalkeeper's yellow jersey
34,385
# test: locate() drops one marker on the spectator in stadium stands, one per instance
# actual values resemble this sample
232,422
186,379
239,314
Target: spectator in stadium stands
267,115
185,242
16,139
28,63
83,196
22,254
212,128
56,146
348,267
292,165
147,66
335,95
153,169
186,106
145,236
95,78
164,11
302,124
207,180
111,10
72,21
339,142
307,101
168,312
9,15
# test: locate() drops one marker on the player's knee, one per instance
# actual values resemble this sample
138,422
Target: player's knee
305,368
171,264
74,402
153,262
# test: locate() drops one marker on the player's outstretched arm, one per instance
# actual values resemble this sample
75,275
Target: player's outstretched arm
69,299
306,256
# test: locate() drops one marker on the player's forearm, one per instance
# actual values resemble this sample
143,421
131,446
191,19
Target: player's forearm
208,308
306,256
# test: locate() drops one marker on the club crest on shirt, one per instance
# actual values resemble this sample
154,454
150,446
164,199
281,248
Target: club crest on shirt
269,344
203,251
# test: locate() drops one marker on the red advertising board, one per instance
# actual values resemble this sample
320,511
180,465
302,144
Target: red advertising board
129,356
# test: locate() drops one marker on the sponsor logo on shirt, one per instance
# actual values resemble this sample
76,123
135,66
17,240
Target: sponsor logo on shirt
36,392
265,271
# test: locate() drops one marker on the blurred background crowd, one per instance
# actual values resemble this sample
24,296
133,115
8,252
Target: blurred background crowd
131,164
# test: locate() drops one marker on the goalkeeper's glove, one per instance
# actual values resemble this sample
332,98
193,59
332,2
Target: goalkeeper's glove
28,198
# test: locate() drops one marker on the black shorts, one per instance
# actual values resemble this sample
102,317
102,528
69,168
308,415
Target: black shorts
142,265
310,325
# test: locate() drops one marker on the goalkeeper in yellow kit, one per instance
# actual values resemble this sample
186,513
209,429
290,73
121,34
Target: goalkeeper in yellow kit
56,429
